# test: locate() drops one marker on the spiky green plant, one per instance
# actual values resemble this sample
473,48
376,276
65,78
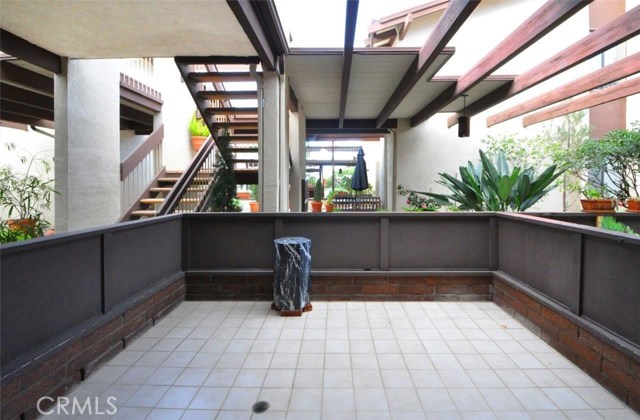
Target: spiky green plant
610,223
222,196
495,187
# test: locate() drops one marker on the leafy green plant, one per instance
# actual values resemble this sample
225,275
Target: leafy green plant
610,165
318,192
222,193
417,201
197,127
610,223
26,195
495,187
8,234
331,196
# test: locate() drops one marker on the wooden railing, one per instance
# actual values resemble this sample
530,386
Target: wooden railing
140,168
191,192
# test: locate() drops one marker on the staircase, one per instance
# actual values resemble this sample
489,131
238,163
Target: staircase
157,194
225,93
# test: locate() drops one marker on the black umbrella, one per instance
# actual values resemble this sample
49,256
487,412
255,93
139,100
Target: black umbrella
360,182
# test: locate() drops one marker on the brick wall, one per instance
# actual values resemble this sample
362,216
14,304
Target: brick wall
616,371
54,375
260,287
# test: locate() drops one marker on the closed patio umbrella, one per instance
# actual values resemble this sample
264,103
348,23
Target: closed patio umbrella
360,182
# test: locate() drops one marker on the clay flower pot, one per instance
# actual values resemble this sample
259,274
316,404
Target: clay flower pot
633,204
602,204
316,206
197,142
255,206
328,207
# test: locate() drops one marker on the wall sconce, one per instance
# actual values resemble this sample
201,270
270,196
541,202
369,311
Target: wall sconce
464,122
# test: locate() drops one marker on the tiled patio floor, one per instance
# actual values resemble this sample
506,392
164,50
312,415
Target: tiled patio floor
347,360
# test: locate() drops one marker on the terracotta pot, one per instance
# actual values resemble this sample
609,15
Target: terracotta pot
603,204
197,142
633,205
316,206
329,207
243,195
22,225
255,206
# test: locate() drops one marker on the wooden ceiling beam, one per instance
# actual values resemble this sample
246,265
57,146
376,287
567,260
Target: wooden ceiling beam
613,33
612,93
620,69
451,20
252,26
312,124
24,110
16,75
228,94
22,119
31,53
27,97
347,55
543,21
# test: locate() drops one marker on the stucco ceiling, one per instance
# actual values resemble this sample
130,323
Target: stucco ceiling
126,28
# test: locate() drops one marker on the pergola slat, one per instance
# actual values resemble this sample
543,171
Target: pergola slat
544,20
451,20
612,93
347,55
609,74
598,41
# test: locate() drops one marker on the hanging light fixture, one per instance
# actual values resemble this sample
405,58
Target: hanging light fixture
464,123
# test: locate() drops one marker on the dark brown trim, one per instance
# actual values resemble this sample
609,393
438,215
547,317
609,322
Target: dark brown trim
31,53
543,21
136,115
626,67
253,28
356,132
14,125
130,163
21,119
13,74
598,41
232,76
27,97
599,97
268,14
451,20
347,55
232,111
24,110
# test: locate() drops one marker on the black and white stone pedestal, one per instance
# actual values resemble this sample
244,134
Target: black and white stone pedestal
291,276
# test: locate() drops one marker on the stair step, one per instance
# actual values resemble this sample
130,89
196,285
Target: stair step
144,213
152,200
228,94
160,189
235,76
168,180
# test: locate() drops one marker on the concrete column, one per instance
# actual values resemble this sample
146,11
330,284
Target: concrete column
283,141
388,172
297,139
87,144
270,146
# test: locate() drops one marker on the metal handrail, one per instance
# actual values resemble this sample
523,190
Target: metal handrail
188,179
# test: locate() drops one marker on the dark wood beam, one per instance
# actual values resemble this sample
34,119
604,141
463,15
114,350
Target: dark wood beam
355,123
250,22
227,94
217,59
27,97
232,111
543,21
451,20
135,115
609,74
268,14
236,125
139,98
21,119
16,75
351,131
599,97
31,53
347,55
25,110
598,41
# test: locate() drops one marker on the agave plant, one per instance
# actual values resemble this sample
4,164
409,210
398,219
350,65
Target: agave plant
495,187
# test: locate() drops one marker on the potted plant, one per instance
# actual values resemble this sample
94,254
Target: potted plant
329,203
595,201
222,192
198,131
633,204
318,195
253,195
25,195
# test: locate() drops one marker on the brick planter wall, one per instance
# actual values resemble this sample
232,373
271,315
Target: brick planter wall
616,371
372,287
54,375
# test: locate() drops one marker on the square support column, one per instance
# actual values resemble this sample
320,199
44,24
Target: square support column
87,144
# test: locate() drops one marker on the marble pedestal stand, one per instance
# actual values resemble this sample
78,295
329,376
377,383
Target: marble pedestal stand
291,276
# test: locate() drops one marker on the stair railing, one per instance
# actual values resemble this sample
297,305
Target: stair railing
140,169
191,192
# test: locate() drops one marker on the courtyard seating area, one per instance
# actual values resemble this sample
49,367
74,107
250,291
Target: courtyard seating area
347,360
